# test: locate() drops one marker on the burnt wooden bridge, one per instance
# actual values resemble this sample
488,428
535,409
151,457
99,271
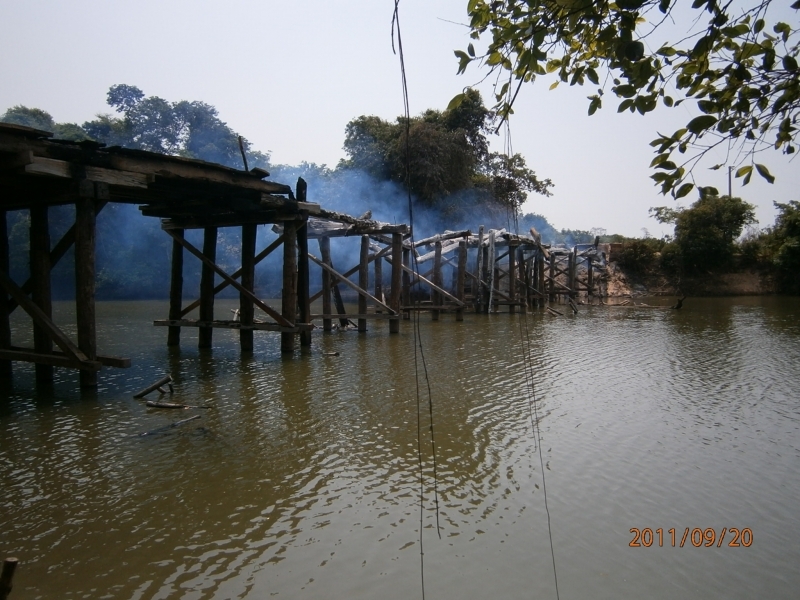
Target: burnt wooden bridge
487,270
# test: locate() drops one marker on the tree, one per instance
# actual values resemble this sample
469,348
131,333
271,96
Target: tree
43,120
706,232
785,239
447,152
739,65
190,129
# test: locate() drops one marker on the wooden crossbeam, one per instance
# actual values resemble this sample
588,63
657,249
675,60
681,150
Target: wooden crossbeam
231,325
231,281
238,273
71,351
107,361
364,293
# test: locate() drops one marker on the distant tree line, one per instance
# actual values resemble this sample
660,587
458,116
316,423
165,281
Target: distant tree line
454,179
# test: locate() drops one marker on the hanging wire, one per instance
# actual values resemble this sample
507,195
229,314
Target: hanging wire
527,359
419,354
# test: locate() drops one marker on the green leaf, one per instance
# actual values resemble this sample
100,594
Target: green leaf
668,101
745,170
594,104
663,6
759,25
592,75
625,91
789,63
554,85
796,5
764,172
683,190
624,105
471,50
456,101
700,124
463,61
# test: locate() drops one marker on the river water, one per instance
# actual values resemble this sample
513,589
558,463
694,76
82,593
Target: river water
302,478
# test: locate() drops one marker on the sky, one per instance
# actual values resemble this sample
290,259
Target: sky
289,75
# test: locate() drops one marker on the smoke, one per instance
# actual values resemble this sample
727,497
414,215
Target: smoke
134,255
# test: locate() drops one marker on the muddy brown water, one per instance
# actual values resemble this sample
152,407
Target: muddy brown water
303,479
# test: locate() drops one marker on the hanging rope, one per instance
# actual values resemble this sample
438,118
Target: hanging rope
419,353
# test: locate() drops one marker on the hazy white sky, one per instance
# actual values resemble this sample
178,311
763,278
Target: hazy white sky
289,75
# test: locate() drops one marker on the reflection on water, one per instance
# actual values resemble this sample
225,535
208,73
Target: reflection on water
302,479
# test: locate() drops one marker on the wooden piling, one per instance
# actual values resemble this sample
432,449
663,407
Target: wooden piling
40,288
363,281
7,576
589,279
552,295
394,302
461,273
478,288
85,235
303,301
246,307
289,295
6,369
436,297
572,268
524,280
512,277
378,283
325,253
406,281
176,289
540,277
205,334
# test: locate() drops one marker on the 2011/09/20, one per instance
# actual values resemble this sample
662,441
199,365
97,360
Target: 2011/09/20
699,537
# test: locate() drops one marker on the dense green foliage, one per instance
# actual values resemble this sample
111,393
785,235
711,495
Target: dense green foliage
189,129
738,63
447,154
706,232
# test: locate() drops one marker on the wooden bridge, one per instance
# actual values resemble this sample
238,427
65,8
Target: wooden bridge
488,270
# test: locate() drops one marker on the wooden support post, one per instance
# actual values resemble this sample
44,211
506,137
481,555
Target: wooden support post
394,300
589,279
477,292
303,301
289,296
7,576
486,282
572,268
522,266
85,221
406,281
246,307
378,283
6,369
207,287
363,281
325,253
512,278
552,295
461,276
436,297
541,278
176,289
40,285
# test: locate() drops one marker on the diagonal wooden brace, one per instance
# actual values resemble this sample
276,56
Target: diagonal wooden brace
231,281
238,273
72,351
346,281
